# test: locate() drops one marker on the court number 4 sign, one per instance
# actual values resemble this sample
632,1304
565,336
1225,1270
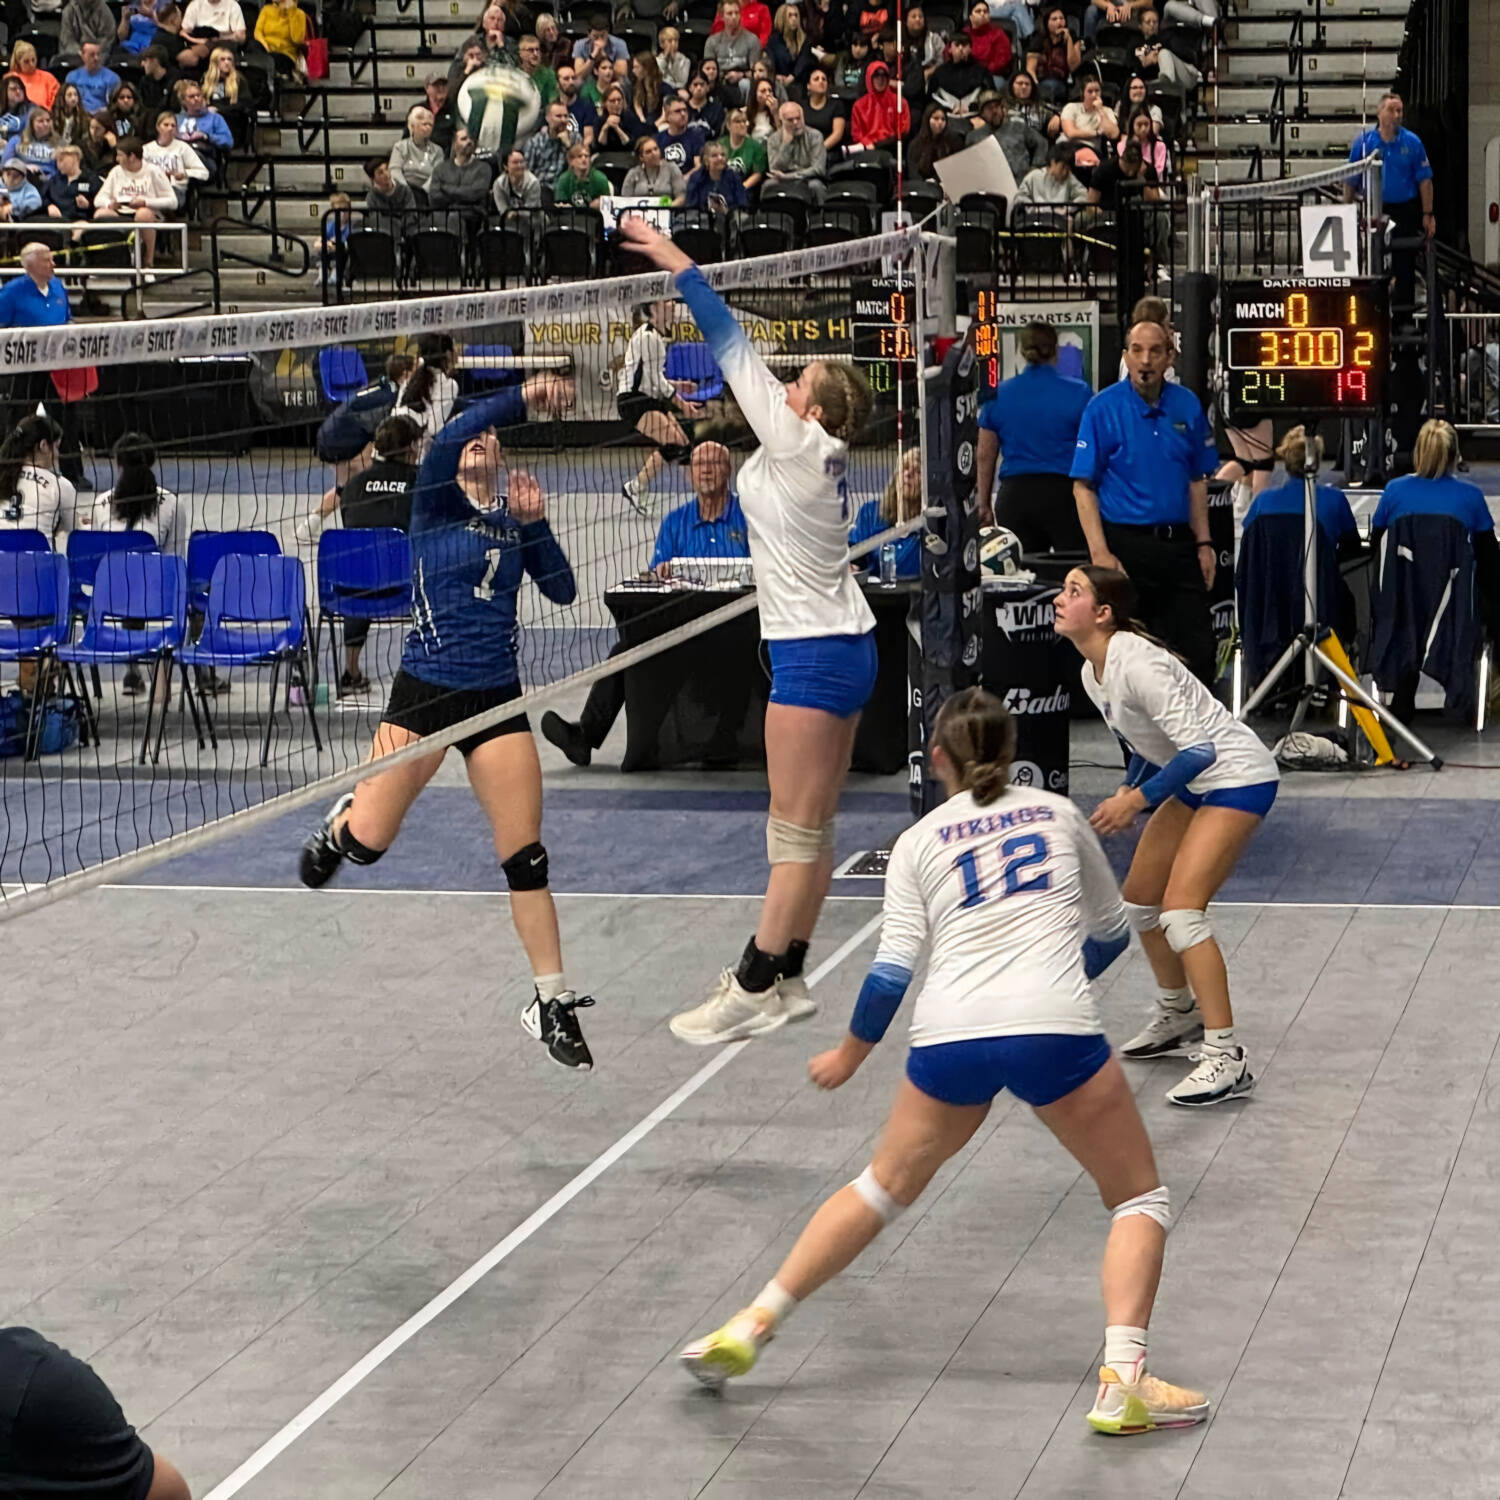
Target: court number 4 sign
1330,239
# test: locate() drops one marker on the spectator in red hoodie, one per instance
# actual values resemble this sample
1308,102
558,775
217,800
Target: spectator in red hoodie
875,123
991,44
754,17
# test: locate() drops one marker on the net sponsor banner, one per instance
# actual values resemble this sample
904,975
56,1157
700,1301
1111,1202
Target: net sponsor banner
251,333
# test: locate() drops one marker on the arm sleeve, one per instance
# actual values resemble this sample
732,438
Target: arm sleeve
547,563
880,997
1139,770
433,488
1151,684
903,934
761,396
1088,462
1183,767
1103,911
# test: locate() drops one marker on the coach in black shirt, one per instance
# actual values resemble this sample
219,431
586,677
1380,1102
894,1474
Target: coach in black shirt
378,496
63,1435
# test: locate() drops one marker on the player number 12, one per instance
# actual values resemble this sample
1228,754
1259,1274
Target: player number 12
1017,854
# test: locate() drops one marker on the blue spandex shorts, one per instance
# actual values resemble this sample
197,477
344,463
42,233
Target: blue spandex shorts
1255,799
1038,1070
833,672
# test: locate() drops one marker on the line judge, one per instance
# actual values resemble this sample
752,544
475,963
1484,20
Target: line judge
1145,451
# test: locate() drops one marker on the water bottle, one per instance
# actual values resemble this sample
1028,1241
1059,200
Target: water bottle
888,563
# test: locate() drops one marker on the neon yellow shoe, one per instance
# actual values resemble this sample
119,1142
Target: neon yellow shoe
729,1351
1124,1407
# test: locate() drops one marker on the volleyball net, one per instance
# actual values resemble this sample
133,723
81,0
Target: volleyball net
221,455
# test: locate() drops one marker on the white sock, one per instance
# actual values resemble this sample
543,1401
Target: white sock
1125,1349
776,1300
1181,999
549,986
1221,1037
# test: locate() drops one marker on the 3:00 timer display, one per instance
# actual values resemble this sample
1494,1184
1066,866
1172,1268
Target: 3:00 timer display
1304,347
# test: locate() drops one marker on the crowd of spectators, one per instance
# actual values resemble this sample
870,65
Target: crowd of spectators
779,96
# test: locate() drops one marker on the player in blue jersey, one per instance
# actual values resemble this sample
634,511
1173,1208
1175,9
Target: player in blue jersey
476,532
819,632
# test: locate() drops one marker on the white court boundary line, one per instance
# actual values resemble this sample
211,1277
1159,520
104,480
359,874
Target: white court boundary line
287,890
268,1452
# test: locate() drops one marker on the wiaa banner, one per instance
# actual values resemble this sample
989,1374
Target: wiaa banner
1035,672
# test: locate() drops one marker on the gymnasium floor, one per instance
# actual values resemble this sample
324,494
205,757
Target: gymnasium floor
257,1138
252,1131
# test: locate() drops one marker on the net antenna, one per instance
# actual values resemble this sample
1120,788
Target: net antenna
229,404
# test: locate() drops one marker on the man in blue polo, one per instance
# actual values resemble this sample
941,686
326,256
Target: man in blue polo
710,525
38,299
1405,186
1032,428
1144,454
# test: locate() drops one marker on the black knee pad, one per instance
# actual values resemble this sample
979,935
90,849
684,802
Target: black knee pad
526,869
675,453
354,851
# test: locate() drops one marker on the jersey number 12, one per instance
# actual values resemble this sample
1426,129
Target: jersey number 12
485,588
1017,854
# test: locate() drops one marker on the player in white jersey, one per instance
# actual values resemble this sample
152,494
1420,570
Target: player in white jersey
33,495
819,633
1009,895
651,404
1207,781
430,392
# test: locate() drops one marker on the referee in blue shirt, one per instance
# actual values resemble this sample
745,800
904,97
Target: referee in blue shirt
710,525
1140,473
1405,187
1032,428
38,299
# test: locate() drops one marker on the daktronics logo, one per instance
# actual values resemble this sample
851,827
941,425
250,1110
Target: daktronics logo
1033,618
1021,700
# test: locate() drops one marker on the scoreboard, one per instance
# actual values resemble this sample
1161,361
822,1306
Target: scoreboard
883,332
1304,347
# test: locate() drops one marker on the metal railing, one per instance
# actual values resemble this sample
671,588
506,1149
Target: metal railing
221,255
98,254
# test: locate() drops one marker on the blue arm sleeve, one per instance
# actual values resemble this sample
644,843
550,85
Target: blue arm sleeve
880,997
1139,769
715,321
1178,771
1100,953
547,563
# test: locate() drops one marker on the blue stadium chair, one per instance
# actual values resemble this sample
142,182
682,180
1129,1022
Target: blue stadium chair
86,549
33,620
257,614
23,541
138,613
695,361
205,548
341,372
363,574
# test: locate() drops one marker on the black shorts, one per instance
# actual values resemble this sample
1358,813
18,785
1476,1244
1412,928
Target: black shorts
425,708
632,406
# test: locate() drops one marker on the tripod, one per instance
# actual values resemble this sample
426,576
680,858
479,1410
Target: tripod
1308,643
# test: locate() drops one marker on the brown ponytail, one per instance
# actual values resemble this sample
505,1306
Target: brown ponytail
846,399
977,734
1114,591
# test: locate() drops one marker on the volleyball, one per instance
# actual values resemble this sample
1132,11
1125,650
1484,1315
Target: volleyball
498,105
999,551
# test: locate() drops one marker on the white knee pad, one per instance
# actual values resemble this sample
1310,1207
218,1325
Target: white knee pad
791,844
1186,929
876,1196
1142,918
1157,1204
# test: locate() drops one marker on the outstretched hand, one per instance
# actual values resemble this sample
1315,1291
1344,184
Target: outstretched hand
646,240
549,392
525,499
